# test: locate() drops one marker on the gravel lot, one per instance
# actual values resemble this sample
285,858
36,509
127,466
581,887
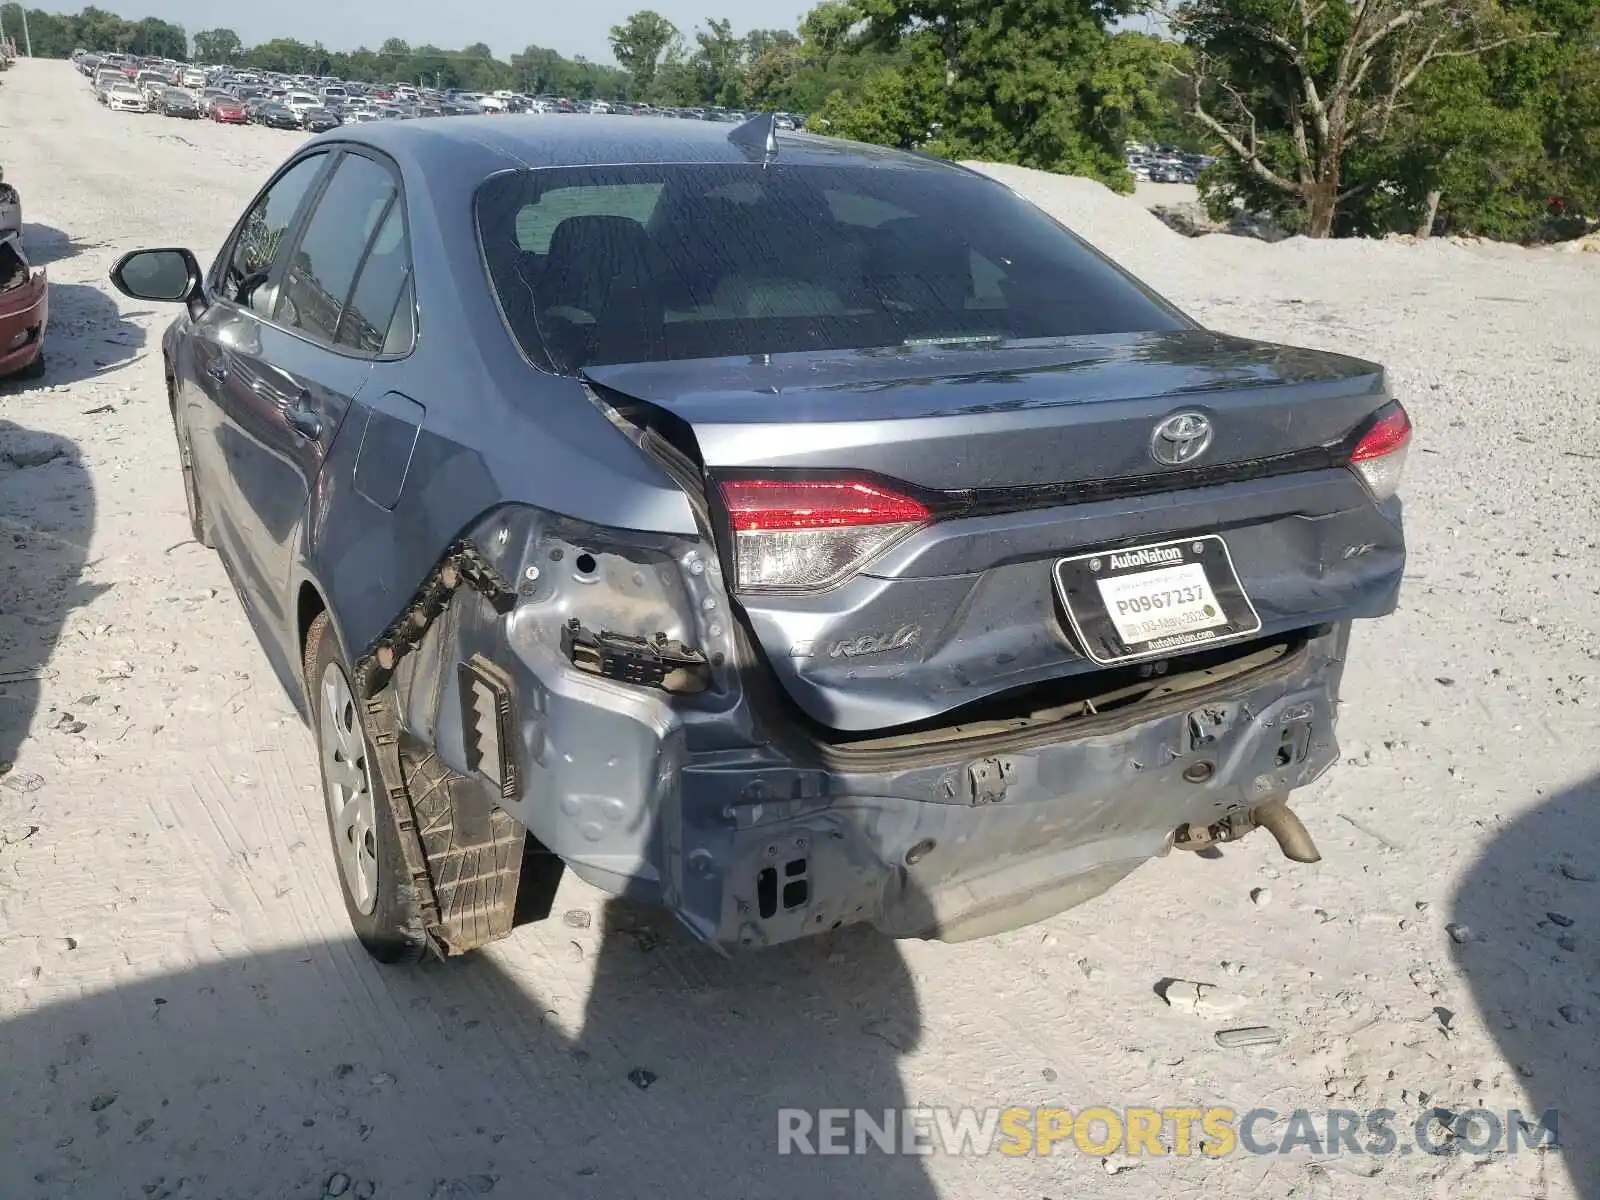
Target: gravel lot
183,1013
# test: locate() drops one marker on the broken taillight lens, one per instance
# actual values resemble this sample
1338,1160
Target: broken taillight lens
1380,456
803,535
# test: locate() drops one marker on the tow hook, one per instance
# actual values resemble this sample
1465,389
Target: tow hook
1275,816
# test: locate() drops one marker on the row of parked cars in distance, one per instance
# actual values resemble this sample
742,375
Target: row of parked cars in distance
234,96
1164,164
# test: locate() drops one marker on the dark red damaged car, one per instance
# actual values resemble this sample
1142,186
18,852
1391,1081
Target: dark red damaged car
24,311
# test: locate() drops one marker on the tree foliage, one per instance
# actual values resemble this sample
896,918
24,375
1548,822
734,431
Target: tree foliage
56,35
638,44
1041,83
217,46
1365,116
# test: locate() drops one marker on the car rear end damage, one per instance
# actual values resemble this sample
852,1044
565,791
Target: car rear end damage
703,791
680,739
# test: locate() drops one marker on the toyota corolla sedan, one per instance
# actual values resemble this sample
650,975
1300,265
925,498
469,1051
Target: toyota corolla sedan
788,532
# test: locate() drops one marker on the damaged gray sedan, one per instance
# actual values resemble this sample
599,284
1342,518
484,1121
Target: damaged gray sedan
788,532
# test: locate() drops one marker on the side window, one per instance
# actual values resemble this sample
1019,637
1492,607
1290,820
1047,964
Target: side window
323,267
379,317
250,259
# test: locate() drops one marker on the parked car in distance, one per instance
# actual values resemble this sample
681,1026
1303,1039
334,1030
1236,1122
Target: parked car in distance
175,102
318,120
277,116
827,535
124,97
229,112
301,103
24,310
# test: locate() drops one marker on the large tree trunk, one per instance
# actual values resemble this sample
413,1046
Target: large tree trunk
1322,197
1322,202
1425,226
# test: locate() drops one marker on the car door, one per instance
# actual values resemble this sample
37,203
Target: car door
223,338
301,380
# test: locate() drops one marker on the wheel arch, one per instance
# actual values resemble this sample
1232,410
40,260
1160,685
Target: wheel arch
309,604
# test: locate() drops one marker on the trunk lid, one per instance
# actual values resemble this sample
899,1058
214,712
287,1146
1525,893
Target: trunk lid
980,417
1028,453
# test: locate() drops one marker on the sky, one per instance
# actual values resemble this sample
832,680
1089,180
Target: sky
571,26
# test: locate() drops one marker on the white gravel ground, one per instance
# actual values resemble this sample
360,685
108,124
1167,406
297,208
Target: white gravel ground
183,1012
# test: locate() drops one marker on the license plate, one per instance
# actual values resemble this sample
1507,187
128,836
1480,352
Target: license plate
1156,600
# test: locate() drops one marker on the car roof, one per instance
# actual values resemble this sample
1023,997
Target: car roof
468,149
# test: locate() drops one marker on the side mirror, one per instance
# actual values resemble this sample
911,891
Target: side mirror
167,275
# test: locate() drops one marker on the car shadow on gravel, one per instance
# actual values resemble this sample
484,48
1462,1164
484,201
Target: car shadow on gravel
308,1071
45,244
87,337
47,515
1526,936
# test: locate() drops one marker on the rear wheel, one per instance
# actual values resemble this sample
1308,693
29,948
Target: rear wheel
378,895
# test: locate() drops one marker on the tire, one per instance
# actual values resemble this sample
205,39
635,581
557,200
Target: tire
378,896
199,526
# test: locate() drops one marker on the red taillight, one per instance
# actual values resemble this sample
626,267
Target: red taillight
1380,456
779,504
802,535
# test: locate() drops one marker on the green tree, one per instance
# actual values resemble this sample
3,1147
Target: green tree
638,44
719,63
217,46
1014,81
1137,84
1292,88
288,55
158,39
772,73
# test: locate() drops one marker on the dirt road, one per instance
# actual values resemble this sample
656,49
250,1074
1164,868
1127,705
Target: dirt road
183,1012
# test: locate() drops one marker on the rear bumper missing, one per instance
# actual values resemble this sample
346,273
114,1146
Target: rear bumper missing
984,843
754,835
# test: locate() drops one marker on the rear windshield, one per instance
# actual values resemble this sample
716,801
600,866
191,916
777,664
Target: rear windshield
645,263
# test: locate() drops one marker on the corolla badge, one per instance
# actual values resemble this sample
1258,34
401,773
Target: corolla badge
876,643
867,643
1180,439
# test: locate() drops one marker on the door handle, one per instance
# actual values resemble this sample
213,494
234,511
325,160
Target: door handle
303,418
217,370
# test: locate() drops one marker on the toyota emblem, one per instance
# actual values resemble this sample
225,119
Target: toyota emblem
1180,439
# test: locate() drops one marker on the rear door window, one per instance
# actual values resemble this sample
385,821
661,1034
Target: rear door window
379,317
652,262
322,269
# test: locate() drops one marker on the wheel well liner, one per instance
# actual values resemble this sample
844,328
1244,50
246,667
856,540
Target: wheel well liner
309,604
